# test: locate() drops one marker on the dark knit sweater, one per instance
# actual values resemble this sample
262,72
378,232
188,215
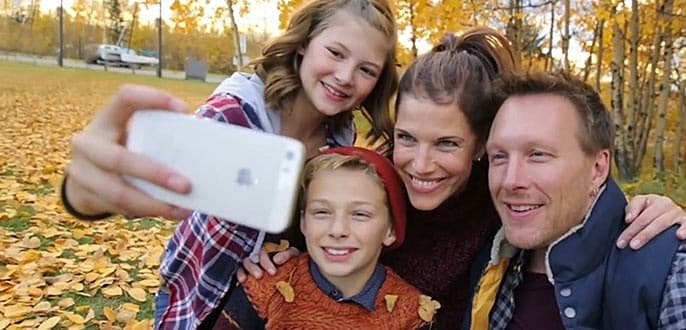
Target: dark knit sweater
441,245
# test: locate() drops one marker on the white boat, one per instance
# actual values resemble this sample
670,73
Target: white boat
116,55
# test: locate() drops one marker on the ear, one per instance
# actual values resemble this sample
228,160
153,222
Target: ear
390,237
601,167
301,50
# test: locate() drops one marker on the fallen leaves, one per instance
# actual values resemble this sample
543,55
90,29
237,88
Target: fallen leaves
56,271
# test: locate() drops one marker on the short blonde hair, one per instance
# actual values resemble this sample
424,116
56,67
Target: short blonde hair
332,162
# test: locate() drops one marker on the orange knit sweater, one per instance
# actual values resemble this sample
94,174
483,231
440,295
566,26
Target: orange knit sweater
312,309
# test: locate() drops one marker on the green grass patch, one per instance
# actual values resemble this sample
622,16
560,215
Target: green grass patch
42,190
143,224
98,302
21,221
85,240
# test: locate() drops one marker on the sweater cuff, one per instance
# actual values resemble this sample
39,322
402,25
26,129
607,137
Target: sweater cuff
70,208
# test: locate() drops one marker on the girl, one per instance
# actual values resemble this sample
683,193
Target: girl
335,56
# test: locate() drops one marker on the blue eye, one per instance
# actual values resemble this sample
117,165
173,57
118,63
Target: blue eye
448,144
404,137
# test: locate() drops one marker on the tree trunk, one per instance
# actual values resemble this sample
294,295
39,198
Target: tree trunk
413,32
236,35
681,126
549,58
566,36
665,90
632,101
589,59
621,146
601,51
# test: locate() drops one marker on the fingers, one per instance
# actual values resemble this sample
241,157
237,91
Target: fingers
267,263
240,275
648,232
681,233
114,158
130,98
108,192
651,215
635,206
252,269
283,256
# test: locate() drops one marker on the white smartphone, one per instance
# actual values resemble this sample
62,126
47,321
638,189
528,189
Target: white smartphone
246,176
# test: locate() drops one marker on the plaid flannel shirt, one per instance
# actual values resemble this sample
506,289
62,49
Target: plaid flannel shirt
202,256
672,308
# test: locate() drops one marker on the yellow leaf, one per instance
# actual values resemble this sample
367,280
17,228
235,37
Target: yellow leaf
77,233
112,291
138,294
126,315
16,311
427,308
49,323
151,282
131,307
77,286
55,291
66,302
270,247
109,313
75,318
82,309
286,291
42,306
92,276
390,299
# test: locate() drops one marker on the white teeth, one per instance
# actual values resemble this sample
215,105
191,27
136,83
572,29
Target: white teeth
424,183
334,92
523,208
337,252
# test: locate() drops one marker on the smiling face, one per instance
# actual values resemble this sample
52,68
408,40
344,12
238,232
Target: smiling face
346,223
341,65
433,149
539,176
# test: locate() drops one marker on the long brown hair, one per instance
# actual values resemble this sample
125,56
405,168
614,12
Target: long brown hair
277,66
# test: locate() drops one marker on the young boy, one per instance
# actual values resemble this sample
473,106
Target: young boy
353,208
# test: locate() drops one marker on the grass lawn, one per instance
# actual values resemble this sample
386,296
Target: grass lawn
56,270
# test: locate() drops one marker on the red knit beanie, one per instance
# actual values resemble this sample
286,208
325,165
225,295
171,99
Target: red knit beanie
394,187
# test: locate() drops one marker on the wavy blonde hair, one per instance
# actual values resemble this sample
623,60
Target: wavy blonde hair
277,66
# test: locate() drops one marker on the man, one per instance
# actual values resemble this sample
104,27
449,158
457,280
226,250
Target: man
554,264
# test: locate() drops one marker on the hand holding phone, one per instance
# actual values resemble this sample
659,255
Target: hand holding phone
242,175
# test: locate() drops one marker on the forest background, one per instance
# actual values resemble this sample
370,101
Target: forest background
56,271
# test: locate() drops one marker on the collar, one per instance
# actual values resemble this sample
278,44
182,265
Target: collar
366,298
590,235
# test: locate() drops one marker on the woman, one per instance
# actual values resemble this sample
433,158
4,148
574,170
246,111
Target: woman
443,119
